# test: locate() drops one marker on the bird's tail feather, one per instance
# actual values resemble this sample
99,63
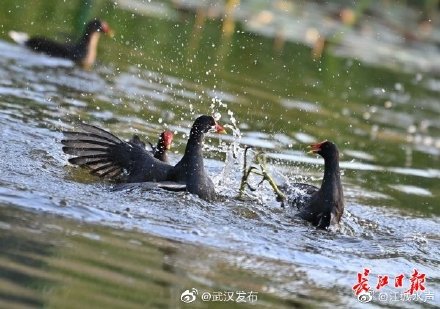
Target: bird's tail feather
19,37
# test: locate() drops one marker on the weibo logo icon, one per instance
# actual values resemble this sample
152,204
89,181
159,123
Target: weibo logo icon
189,296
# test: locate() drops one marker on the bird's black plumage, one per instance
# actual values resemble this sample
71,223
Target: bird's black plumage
160,150
109,157
325,205
82,52
190,169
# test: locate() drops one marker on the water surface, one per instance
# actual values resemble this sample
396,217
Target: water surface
67,237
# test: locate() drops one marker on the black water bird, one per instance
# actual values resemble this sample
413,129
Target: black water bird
325,205
190,169
109,157
82,52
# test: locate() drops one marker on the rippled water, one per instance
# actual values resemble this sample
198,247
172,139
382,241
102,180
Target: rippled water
66,235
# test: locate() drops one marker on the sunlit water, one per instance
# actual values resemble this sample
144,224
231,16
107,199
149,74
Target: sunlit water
388,133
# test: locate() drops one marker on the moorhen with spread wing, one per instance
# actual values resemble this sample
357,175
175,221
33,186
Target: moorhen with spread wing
82,53
109,157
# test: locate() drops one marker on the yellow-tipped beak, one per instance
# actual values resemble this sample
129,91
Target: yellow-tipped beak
219,129
110,33
315,148
106,29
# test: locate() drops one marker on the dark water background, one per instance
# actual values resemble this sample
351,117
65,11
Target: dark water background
66,239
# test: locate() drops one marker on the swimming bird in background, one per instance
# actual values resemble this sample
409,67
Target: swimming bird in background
82,52
109,157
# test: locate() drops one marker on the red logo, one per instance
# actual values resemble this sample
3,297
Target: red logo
362,284
381,281
417,280
410,289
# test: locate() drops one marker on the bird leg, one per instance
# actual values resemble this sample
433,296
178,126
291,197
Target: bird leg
261,161
246,172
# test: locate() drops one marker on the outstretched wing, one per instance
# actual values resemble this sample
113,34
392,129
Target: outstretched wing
107,156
